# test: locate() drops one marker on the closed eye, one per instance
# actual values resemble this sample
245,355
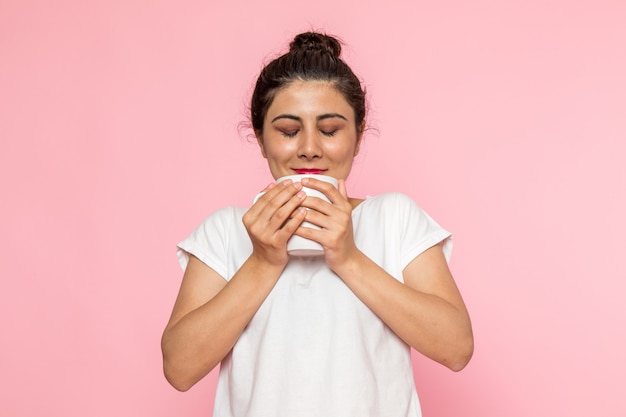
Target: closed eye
289,133
329,132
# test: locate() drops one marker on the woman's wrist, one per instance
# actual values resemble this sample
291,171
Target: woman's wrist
351,266
267,267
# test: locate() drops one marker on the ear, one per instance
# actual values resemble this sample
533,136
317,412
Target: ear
359,137
259,140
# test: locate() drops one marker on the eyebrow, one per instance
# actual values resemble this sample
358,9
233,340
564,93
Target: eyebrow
320,117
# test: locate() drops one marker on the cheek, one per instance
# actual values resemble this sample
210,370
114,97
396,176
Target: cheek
279,150
342,150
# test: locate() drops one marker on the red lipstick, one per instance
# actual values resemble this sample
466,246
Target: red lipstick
313,171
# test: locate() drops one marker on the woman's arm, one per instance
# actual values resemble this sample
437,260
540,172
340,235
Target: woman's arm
426,311
210,313
208,317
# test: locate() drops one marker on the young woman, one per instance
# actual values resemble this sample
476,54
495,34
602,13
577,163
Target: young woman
314,336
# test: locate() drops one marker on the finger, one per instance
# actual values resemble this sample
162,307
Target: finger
321,205
274,226
279,209
269,187
317,184
326,188
272,191
283,214
341,186
267,204
293,222
326,221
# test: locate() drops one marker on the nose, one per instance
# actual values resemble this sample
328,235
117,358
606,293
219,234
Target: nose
309,147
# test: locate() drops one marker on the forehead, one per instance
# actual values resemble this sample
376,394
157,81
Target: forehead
310,97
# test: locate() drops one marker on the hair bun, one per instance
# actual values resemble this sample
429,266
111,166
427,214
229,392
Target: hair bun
312,41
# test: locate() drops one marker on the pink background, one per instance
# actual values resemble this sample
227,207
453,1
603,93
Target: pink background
505,120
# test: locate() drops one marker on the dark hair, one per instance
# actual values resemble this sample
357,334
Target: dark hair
312,57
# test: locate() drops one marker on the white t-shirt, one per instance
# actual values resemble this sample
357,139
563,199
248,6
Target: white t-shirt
313,349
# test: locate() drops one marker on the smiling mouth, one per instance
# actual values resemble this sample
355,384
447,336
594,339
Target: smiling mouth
309,170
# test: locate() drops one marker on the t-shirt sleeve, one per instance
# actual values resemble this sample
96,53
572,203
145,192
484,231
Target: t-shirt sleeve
420,231
208,243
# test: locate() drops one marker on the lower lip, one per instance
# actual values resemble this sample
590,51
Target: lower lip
309,171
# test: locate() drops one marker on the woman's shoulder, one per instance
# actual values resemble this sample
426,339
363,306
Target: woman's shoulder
223,217
229,211
391,205
391,199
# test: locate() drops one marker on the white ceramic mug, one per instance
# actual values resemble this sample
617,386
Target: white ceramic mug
297,245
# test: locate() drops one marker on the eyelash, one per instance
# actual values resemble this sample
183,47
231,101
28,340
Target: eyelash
290,134
294,133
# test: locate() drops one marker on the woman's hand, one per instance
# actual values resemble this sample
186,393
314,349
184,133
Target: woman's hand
273,218
335,219
426,310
